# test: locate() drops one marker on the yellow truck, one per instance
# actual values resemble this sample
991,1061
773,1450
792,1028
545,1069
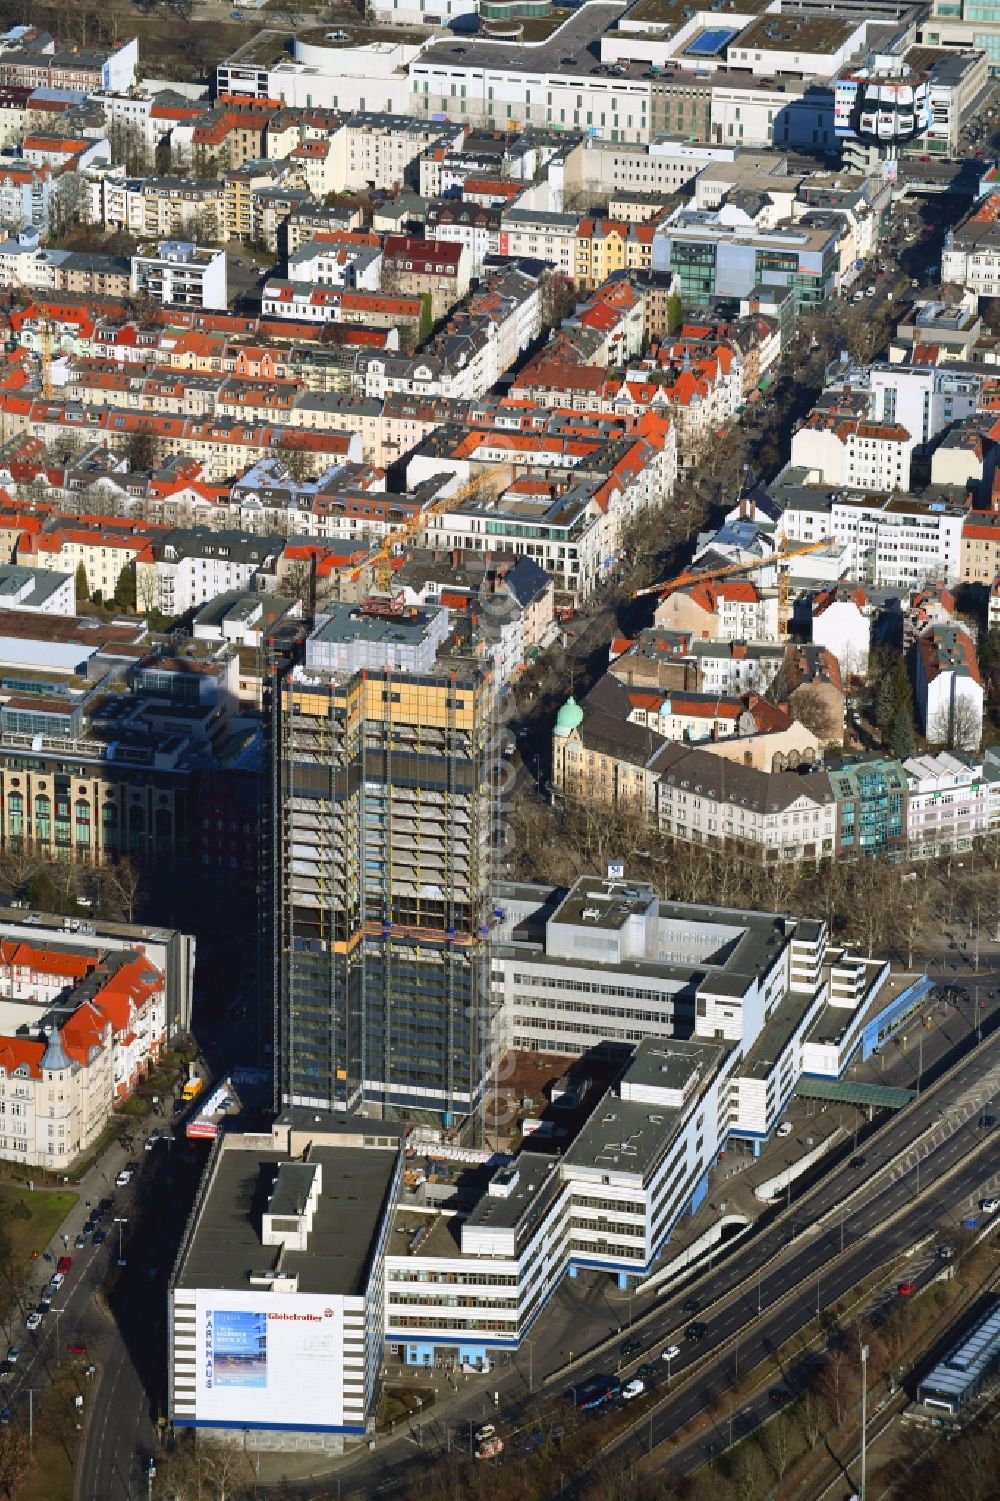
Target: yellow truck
192,1088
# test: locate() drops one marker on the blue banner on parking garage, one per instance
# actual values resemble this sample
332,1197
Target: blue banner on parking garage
892,1016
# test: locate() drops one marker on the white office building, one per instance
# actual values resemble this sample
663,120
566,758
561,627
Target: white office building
715,1015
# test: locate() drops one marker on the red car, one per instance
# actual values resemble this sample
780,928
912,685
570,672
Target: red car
906,1289
63,1264
77,1349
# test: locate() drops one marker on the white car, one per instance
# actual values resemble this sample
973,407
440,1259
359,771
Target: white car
124,1178
633,1388
989,1206
56,1280
33,1321
785,1129
671,1352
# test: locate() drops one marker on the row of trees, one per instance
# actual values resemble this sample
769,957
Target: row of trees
864,900
54,885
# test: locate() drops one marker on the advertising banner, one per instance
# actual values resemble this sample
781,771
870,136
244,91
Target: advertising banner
270,1358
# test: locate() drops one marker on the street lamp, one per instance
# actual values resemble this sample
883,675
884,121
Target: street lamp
864,1419
120,1220
531,1364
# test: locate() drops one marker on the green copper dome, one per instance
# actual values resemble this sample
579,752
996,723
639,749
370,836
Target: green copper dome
569,717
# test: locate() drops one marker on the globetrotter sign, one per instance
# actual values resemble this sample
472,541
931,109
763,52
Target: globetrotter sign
269,1358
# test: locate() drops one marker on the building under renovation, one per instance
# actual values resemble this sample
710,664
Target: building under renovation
381,820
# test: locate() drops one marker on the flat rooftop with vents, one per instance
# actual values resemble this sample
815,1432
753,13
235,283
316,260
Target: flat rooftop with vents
344,1203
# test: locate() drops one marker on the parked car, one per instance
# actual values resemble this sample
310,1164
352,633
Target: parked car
779,1395
81,1240
633,1389
33,1321
785,1129
47,1293
56,1280
63,1265
989,1206
124,1178
100,1236
76,1349
631,1347
6,1414
857,1161
6,1370
14,1354
690,1305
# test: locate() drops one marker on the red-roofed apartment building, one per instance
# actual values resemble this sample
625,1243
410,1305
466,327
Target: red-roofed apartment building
949,687
850,451
79,1030
439,269
730,610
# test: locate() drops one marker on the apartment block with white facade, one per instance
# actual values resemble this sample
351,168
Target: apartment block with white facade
948,806
193,565
840,450
180,274
949,687
901,541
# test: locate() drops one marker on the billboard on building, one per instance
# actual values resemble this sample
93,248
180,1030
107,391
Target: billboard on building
271,1358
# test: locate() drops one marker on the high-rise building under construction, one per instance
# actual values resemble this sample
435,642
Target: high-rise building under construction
381,824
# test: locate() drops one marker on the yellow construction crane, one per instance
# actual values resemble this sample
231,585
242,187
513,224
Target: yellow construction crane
45,355
670,586
491,479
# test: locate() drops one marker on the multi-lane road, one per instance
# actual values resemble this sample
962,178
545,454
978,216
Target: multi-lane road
924,1171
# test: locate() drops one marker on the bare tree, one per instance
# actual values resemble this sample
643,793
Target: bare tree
122,882
910,921
147,588
14,1461
959,725
779,1438
812,708
813,1416
129,147
66,203
228,1468
17,866
835,1383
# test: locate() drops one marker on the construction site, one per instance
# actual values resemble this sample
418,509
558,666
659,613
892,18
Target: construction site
383,743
